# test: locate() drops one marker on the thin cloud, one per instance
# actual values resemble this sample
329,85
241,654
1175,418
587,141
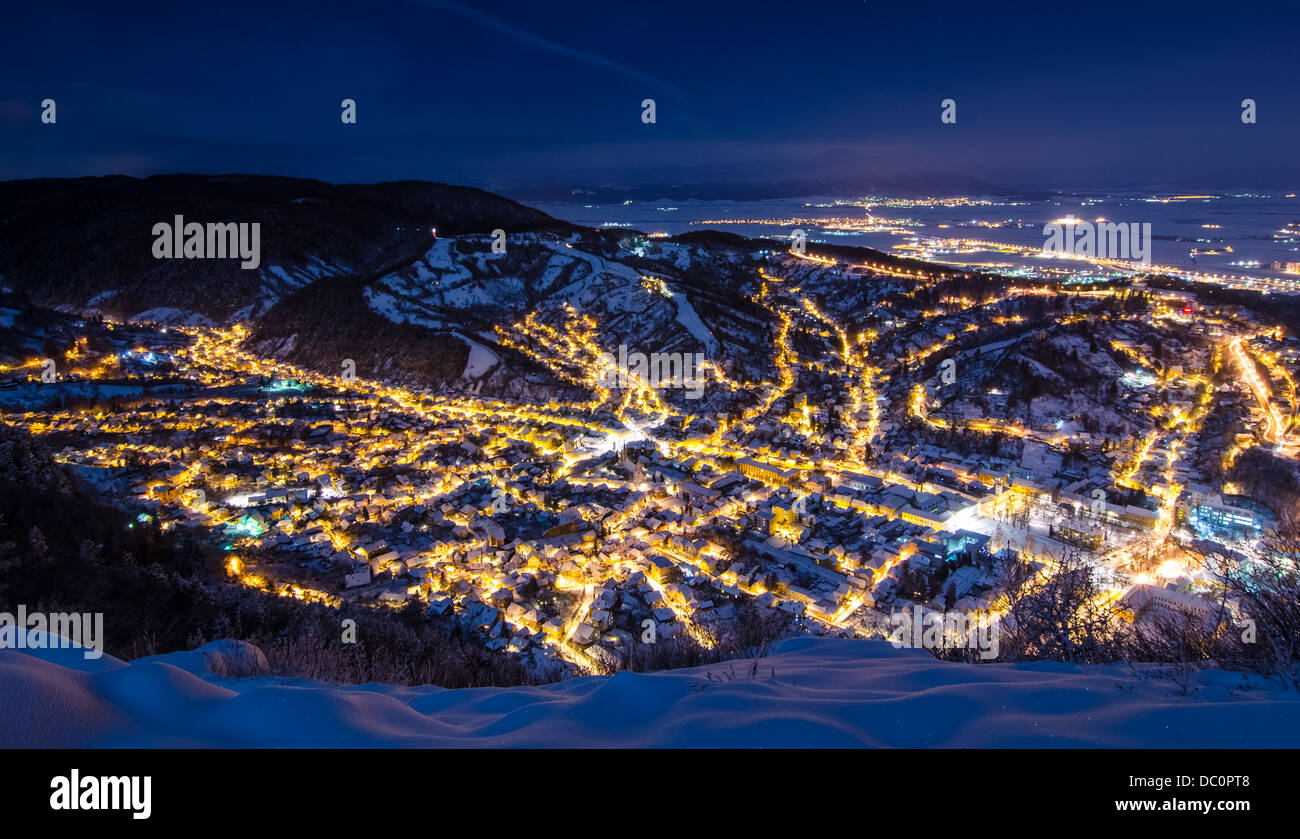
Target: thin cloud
541,43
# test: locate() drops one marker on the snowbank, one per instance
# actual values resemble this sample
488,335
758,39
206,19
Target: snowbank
809,692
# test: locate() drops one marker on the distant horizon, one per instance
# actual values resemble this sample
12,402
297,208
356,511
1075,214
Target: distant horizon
998,190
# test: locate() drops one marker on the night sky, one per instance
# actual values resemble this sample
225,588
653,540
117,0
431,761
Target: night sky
505,94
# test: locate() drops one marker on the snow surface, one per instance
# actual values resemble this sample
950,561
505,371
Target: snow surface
481,359
689,318
808,692
172,317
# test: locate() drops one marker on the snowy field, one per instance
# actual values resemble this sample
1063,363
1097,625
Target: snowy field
808,692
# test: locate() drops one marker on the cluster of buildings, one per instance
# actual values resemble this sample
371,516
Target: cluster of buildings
563,535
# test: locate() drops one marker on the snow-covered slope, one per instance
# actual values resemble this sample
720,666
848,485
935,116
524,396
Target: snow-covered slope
459,286
809,692
458,279
87,243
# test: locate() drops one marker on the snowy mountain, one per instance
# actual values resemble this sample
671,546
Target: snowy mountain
88,243
486,308
407,279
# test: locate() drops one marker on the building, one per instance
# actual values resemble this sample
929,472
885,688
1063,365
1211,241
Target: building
1214,517
767,473
1144,600
1079,534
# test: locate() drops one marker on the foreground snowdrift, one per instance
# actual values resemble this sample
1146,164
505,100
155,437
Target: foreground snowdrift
808,692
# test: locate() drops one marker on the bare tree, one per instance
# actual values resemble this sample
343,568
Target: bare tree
1180,638
1058,611
1265,586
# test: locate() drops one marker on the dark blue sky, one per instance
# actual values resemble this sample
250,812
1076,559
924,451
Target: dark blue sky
505,94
